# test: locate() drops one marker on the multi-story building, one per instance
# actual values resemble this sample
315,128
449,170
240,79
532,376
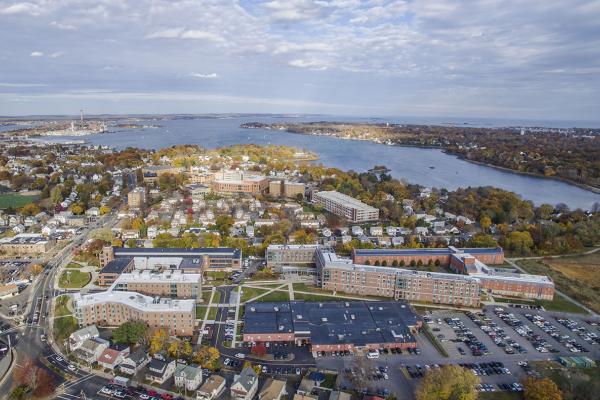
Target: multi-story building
239,182
208,259
172,284
345,206
136,198
113,308
25,244
279,255
151,173
401,257
289,189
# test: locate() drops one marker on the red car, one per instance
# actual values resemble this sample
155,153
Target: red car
166,396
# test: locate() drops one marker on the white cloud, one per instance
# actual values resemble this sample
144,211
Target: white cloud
37,54
181,33
63,26
310,64
170,33
57,54
212,75
21,85
21,8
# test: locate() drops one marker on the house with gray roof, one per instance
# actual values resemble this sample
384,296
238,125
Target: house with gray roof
245,385
188,376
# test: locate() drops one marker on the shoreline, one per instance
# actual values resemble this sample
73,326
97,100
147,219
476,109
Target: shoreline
583,186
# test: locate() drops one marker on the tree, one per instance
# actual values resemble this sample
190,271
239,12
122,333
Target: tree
77,209
541,389
104,210
30,209
485,223
131,332
158,341
519,242
131,243
56,195
207,356
450,382
117,242
45,384
482,240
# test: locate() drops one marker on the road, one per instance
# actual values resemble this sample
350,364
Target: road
35,322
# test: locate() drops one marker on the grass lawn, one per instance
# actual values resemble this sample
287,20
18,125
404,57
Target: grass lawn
559,303
206,296
200,312
216,278
74,265
15,200
577,276
74,279
250,292
314,297
64,322
212,313
276,296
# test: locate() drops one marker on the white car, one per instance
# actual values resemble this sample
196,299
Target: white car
59,359
144,396
106,390
227,361
240,355
71,367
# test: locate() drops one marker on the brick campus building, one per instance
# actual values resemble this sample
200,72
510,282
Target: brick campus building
381,272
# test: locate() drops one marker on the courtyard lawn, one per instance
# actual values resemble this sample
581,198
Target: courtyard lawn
74,279
276,296
15,200
577,276
250,292
73,265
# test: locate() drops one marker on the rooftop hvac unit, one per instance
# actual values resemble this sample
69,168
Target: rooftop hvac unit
352,316
298,316
380,308
281,327
276,309
324,319
253,309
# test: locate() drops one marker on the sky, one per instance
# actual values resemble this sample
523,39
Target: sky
485,58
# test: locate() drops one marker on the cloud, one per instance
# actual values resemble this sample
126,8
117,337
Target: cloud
212,75
181,33
64,27
57,54
21,8
37,54
310,64
21,85
170,33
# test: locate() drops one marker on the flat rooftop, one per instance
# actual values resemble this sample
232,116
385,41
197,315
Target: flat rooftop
24,238
351,322
116,266
135,300
147,276
173,252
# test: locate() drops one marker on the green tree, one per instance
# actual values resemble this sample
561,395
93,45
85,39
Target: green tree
56,195
482,240
450,382
131,332
519,242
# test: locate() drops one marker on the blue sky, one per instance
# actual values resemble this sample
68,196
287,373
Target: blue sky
487,58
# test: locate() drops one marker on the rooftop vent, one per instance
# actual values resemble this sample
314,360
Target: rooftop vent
253,309
299,316
324,319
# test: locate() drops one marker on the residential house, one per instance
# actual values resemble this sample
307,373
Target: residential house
187,376
134,362
159,371
376,231
273,389
91,350
111,358
245,385
212,388
78,337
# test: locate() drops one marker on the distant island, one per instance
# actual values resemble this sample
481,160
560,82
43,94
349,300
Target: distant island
569,154
61,127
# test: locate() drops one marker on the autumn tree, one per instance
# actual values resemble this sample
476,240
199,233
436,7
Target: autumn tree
30,209
207,356
450,382
541,389
158,341
485,223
